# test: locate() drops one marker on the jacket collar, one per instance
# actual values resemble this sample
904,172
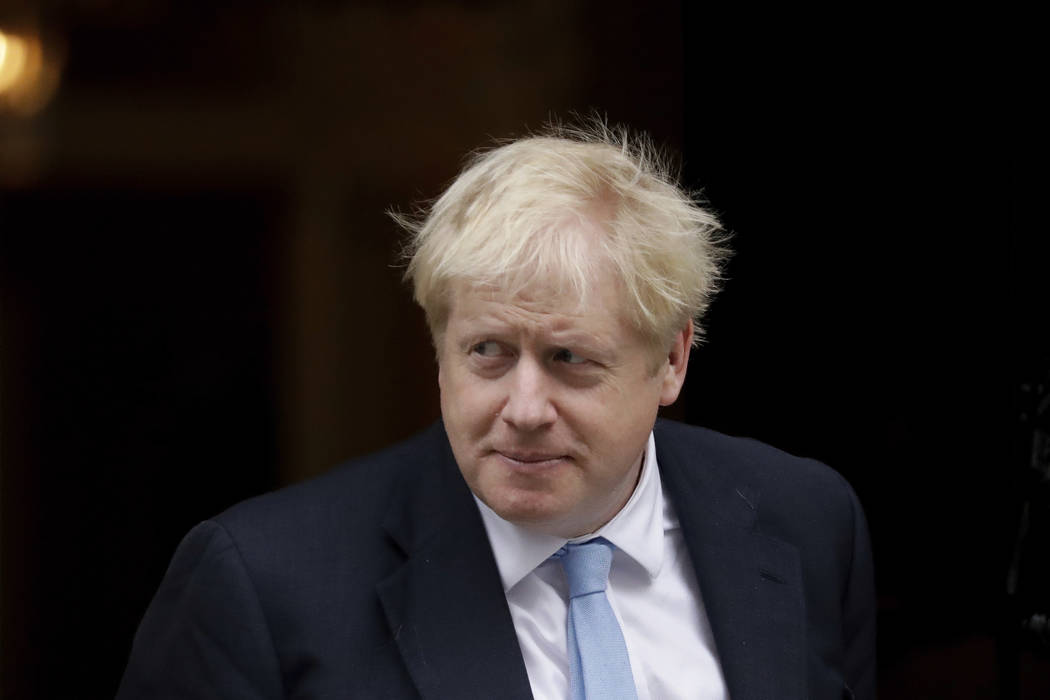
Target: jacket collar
751,584
445,605
448,613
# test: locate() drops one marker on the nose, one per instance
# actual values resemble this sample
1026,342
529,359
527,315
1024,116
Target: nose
528,404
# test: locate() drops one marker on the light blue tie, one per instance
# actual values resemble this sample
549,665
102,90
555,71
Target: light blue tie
598,664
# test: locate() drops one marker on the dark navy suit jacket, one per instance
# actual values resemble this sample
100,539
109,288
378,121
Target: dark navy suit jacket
376,580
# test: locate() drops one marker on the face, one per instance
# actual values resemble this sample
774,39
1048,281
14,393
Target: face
548,406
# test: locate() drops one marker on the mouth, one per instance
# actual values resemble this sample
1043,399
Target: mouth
530,459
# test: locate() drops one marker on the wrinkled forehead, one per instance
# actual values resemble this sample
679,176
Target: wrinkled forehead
600,295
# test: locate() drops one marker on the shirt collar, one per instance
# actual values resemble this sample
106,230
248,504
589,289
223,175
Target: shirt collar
637,530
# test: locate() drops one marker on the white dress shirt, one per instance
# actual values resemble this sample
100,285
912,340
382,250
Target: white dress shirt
652,590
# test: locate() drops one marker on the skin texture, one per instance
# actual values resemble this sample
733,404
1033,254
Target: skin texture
548,405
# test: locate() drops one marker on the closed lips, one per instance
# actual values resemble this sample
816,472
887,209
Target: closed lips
530,457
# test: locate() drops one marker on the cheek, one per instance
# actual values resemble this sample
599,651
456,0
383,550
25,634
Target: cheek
467,404
623,419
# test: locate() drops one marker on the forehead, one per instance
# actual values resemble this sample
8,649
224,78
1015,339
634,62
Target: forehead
558,305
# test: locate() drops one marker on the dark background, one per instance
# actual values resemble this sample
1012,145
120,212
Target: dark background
201,299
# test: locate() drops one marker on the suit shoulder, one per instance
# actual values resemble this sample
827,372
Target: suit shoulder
355,493
794,484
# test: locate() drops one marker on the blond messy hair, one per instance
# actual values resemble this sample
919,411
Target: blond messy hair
514,217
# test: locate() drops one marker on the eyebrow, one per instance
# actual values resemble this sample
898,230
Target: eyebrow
478,328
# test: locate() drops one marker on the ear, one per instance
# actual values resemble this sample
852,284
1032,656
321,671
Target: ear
677,363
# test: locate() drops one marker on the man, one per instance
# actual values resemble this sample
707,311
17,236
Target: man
563,278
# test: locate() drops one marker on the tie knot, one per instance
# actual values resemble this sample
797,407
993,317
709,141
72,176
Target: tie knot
586,566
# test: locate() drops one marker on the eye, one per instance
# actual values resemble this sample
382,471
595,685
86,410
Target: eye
569,357
488,348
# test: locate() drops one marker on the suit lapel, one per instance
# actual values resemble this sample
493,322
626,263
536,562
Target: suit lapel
750,584
445,606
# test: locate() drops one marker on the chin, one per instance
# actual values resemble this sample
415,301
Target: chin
535,511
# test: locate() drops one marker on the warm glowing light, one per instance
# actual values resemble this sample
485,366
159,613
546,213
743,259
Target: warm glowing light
28,76
13,52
